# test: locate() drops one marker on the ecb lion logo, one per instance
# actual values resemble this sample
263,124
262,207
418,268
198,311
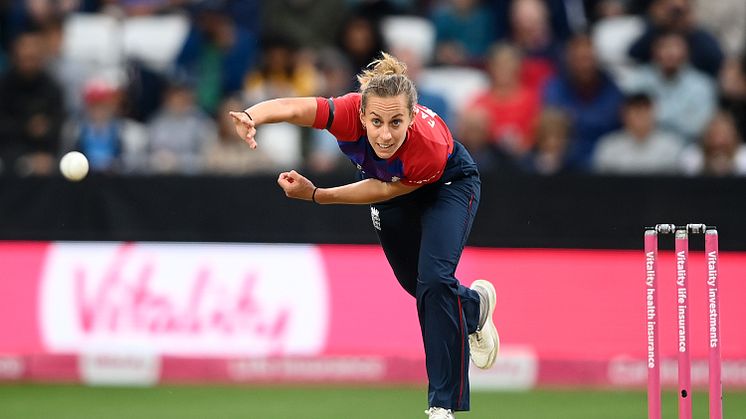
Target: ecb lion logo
376,218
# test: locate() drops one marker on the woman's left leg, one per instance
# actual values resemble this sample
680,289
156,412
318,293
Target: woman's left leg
448,311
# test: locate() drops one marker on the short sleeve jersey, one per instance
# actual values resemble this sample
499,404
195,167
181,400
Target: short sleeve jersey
420,160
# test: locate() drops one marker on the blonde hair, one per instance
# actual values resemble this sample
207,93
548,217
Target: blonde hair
386,77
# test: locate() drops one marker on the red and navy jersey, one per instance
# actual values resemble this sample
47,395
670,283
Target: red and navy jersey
421,159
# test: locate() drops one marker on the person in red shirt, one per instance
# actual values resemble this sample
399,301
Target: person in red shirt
423,189
512,105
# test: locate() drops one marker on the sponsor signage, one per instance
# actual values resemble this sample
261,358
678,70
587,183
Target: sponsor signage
145,313
183,299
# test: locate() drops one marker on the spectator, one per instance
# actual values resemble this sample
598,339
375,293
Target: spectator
733,91
676,15
726,19
25,16
111,143
216,55
31,110
229,156
684,98
71,74
512,107
605,9
556,16
473,131
721,151
588,95
280,73
361,40
531,33
144,90
306,23
638,148
612,36
179,133
549,155
463,32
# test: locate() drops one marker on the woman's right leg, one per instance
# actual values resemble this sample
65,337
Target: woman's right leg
448,310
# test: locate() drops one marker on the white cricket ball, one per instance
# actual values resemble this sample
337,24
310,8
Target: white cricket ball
74,166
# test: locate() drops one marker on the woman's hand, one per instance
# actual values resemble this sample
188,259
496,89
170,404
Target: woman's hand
295,185
245,127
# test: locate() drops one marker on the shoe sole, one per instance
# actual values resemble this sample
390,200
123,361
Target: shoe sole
489,325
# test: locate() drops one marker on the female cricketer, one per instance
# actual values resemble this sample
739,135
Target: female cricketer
423,189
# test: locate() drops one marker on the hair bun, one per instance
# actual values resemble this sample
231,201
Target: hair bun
386,77
387,65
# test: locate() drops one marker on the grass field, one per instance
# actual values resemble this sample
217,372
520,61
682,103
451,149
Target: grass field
187,402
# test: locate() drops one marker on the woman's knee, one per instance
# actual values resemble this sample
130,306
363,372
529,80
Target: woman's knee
433,281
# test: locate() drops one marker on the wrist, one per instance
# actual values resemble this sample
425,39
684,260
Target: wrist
313,195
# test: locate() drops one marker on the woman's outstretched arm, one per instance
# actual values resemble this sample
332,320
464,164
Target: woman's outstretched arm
295,110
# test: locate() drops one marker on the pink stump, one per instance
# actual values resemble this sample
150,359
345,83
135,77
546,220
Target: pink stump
713,305
651,316
682,316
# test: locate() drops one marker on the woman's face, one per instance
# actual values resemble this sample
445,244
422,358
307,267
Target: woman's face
386,120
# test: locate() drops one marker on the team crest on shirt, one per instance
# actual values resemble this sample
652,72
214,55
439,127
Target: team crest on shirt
375,218
395,178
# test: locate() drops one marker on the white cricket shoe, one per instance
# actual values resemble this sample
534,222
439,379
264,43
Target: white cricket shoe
485,342
439,413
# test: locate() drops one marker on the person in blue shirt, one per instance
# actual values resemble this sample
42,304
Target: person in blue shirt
588,96
216,55
463,30
675,15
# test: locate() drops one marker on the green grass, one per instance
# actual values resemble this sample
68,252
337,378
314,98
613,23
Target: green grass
31,401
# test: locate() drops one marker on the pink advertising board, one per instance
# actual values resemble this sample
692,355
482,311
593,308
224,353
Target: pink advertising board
154,312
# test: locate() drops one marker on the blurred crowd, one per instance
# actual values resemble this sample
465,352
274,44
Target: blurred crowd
621,87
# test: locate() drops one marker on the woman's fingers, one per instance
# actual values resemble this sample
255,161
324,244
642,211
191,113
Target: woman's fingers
250,138
295,185
285,179
242,118
245,128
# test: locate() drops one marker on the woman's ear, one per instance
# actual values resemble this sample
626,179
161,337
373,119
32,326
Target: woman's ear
362,118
